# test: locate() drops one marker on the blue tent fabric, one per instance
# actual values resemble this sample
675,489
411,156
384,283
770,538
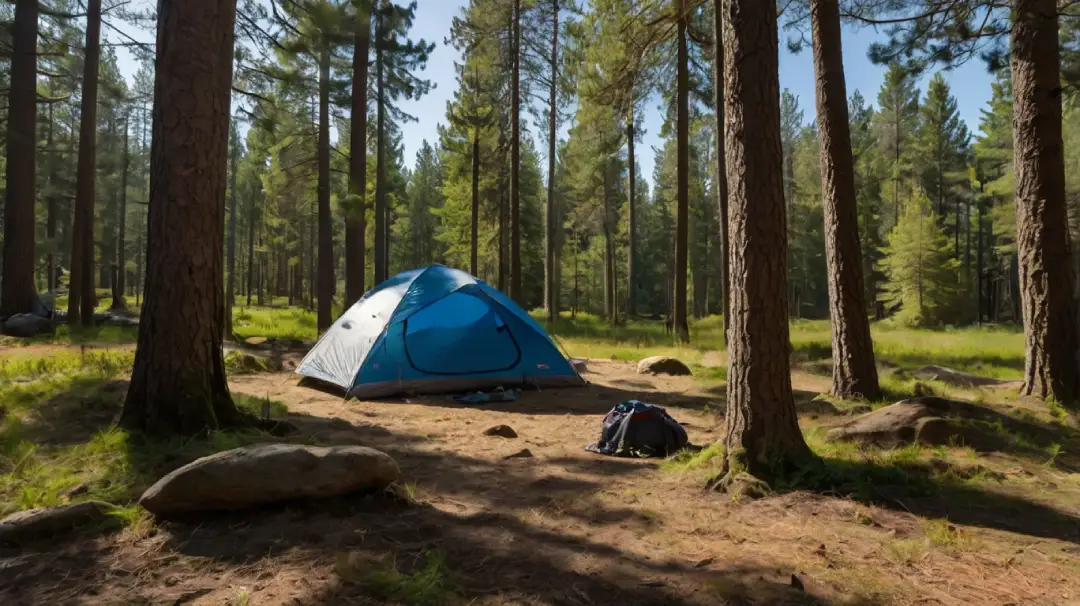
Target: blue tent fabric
435,329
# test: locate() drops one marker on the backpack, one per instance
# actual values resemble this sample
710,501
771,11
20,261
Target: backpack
638,429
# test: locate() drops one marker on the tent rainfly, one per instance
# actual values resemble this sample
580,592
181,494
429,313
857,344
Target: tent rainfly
435,330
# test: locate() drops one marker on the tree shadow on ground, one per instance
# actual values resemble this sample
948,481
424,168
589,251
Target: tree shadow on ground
72,416
937,489
489,517
551,531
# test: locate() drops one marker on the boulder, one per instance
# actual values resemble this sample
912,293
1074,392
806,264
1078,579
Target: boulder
816,406
27,325
255,340
36,523
916,420
245,477
662,365
955,378
123,320
502,431
524,453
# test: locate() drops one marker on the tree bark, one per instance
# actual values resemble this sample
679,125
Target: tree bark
356,215
121,232
631,221
381,266
1046,275
609,299
81,291
50,217
475,219
326,225
230,285
551,290
251,248
679,321
854,374
721,168
515,160
17,292
178,383
762,436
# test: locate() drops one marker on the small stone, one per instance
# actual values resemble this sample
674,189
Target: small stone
797,583
255,340
502,431
524,453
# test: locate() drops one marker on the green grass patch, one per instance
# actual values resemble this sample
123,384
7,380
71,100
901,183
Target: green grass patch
58,443
686,460
238,363
17,367
257,405
274,322
431,584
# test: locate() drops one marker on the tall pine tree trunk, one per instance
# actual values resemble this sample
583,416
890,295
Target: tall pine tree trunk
356,214
1046,275
475,214
230,285
50,217
854,374
81,298
762,434
721,168
551,289
631,221
381,265
121,231
17,292
178,382
326,225
251,248
515,160
679,321
609,299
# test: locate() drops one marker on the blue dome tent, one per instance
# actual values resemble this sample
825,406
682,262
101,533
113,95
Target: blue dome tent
435,330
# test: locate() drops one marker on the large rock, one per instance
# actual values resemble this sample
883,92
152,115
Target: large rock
662,365
27,325
123,320
916,420
954,377
245,477
36,523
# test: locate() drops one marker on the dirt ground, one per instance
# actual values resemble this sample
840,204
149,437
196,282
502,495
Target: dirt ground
562,526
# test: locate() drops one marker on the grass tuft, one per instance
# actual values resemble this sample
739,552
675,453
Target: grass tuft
429,585
688,460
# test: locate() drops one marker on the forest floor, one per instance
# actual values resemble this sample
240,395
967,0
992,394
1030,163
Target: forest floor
471,524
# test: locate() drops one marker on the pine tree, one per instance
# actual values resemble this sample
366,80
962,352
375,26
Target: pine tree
869,177
17,292
942,145
854,373
396,58
920,270
1046,272
762,437
898,110
82,298
178,382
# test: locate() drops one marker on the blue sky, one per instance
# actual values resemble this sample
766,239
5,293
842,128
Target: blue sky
970,83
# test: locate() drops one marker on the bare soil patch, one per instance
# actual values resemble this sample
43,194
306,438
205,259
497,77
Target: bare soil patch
565,526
